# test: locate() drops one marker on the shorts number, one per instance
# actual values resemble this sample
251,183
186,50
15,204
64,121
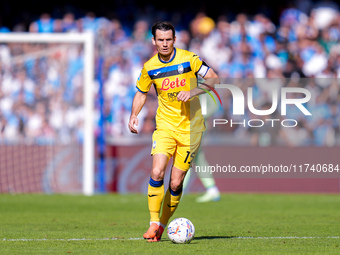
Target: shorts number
192,156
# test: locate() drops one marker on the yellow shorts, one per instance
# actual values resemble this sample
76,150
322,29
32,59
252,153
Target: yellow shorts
181,146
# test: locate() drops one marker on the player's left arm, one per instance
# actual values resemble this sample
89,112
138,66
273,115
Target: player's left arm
211,79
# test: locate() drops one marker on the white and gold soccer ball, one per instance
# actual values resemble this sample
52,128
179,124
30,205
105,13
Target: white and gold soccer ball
181,230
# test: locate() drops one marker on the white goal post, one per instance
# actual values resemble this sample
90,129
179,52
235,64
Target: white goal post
87,39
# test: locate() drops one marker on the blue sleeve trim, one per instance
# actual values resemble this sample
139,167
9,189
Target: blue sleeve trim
141,91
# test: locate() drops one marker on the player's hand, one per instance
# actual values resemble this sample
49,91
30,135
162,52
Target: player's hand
183,96
132,123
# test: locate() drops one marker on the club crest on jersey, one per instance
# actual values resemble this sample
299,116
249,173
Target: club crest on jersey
180,69
154,144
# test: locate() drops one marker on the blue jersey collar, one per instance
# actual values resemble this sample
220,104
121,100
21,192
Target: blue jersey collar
170,59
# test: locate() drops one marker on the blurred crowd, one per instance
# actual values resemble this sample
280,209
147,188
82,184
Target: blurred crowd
41,95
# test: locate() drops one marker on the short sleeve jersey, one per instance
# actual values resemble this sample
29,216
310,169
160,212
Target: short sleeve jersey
169,78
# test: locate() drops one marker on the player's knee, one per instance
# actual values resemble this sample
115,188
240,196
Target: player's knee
176,185
157,174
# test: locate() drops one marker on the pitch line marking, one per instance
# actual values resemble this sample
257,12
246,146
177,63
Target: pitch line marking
137,238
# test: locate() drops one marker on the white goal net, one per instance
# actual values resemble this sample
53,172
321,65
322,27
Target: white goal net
46,113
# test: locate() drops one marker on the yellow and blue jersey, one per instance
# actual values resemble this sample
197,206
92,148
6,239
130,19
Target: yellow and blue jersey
169,78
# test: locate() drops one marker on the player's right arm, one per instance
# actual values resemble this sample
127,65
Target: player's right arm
143,86
137,105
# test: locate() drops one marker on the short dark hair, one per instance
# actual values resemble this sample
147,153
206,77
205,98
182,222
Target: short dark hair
163,26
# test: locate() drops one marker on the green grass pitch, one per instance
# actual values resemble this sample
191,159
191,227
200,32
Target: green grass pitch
114,224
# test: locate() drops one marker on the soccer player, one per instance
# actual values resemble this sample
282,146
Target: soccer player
179,121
